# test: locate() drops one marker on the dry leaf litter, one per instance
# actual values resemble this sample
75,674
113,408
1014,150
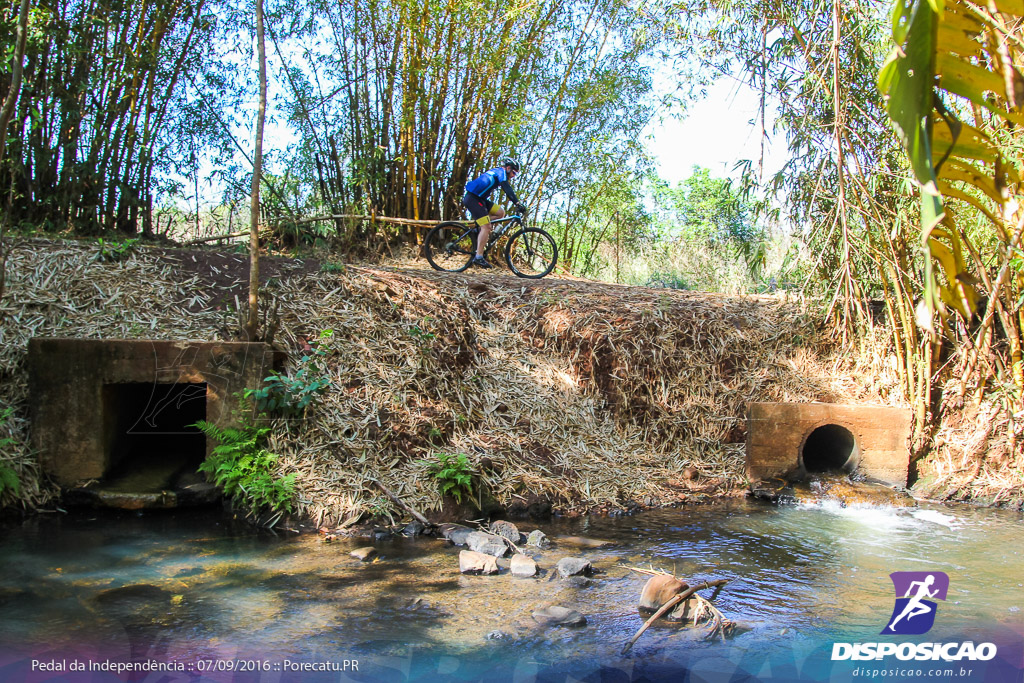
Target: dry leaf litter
591,395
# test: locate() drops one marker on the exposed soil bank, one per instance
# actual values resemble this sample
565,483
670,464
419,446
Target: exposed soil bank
589,396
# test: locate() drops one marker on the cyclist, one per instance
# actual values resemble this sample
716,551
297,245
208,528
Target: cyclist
483,209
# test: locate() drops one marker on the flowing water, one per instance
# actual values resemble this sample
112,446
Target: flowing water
201,593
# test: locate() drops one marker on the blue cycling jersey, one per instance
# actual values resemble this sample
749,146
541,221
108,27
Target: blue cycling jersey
486,183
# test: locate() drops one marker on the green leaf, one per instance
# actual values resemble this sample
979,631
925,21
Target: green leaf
906,78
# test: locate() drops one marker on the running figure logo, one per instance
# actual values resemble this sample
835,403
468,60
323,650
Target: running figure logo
914,613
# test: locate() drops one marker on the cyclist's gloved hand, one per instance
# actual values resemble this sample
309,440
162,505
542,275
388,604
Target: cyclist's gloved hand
521,208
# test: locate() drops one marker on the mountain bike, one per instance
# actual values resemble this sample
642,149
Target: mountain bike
529,252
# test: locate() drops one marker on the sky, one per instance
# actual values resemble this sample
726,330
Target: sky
715,133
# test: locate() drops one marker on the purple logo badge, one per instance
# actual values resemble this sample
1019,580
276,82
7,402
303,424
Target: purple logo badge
915,608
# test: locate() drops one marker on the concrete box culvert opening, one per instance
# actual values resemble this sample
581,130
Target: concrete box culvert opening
790,440
110,418
149,439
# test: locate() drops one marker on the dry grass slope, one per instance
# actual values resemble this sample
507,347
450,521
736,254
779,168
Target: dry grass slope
591,395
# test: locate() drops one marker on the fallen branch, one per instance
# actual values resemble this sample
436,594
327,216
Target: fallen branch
669,604
402,504
650,572
719,624
200,240
486,529
375,219
315,219
515,548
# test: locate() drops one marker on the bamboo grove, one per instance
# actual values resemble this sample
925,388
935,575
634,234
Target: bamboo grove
402,101
102,88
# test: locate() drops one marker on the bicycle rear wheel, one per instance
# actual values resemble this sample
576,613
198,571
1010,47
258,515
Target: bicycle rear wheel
450,246
531,253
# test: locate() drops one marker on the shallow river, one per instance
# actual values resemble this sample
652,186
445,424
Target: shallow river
193,595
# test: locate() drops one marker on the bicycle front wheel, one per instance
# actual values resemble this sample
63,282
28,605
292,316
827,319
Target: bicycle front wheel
531,253
450,246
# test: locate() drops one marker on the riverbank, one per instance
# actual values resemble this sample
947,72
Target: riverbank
575,395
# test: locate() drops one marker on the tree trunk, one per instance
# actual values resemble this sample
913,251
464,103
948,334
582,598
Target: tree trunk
257,170
5,118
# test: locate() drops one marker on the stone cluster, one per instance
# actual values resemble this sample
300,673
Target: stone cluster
484,552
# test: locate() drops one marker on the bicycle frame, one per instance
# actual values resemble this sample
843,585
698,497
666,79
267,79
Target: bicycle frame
501,226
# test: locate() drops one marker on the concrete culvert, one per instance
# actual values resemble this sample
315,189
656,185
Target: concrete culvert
785,440
830,448
148,431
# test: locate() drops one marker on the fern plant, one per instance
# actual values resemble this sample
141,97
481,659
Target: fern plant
453,473
245,470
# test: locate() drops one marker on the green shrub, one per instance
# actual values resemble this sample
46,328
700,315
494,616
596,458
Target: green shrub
8,477
115,251
453,474
290,396
245,470
9,481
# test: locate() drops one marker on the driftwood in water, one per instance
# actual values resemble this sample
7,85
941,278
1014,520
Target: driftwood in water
672,602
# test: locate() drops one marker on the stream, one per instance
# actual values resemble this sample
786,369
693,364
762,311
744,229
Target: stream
194,596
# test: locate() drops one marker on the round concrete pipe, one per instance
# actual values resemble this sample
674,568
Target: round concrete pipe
830,448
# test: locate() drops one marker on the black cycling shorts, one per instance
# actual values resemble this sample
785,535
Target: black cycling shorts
479,208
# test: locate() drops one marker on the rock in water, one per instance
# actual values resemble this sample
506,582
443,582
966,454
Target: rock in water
138,604
413,529
489,544
523,566
684,611
573,566
658,590
133,595
576,582
456,533
506,530
835,488
848,492
556,615
472,562
364,554
538,538
580,542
